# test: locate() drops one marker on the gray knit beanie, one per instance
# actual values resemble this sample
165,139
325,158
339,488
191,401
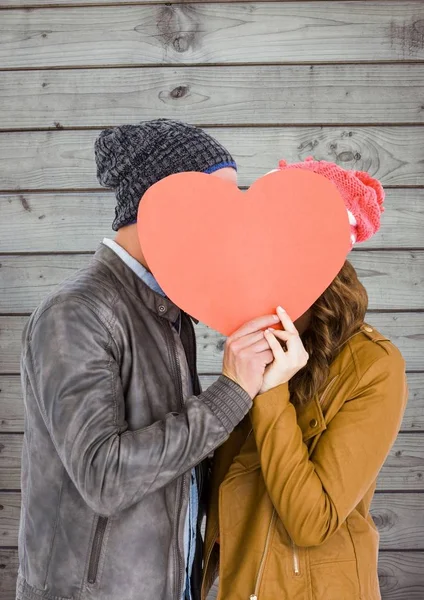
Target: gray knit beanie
131,158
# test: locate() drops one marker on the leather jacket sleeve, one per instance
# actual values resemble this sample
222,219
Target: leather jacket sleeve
72,361
314,495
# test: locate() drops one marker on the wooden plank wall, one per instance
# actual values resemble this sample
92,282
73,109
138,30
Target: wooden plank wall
340,80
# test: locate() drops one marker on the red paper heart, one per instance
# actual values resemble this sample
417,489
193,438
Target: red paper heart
226,256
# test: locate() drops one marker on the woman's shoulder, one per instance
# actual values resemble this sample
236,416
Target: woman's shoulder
370,348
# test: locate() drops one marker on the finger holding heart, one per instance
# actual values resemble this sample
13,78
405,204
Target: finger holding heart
287,362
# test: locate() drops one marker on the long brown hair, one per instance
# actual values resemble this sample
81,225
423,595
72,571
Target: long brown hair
337,314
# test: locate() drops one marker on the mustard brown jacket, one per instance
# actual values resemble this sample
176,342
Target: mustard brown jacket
292,487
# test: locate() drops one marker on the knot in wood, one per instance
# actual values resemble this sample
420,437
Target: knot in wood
346,156
384,520
179,92
181,44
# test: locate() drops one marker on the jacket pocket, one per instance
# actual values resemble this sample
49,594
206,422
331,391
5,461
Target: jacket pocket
335,580
96,549
338,547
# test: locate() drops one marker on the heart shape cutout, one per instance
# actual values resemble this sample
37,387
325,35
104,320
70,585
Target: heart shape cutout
226,256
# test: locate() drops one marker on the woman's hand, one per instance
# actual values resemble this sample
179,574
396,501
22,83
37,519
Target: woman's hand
286,363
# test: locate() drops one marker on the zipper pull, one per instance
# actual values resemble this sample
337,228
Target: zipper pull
296,568
253,597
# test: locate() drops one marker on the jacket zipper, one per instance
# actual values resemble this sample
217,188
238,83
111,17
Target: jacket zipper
295,551
96,549
177,378
192,361
296,563
254,596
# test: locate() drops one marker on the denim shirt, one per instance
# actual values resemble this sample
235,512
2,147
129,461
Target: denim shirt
190,527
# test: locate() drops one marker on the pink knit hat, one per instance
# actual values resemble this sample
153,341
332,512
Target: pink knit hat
362,194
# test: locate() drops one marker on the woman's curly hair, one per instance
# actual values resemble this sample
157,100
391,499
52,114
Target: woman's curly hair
337,315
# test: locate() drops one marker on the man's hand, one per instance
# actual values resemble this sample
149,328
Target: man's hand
247,354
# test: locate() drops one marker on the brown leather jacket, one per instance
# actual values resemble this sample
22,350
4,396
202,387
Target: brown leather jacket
292,487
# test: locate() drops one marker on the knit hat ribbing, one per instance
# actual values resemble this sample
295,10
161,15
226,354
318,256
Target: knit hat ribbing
131,158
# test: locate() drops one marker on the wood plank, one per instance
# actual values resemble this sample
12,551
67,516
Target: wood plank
394,280
400,520
10,343
10,461
402,222
51,3
10,509
406,330
43,160
76,222
212,33
215,95
9,563
404,467
11,405
399,517
12,411
401,576
384,276
34,277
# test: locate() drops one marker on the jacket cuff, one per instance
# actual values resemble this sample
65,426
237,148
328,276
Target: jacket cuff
228,401
277,397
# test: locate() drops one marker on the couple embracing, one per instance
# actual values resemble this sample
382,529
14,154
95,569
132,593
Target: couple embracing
124,454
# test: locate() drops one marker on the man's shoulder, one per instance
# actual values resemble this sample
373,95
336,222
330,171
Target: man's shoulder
90,288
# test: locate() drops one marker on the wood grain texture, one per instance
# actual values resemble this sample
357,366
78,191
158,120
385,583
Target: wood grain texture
401,576
394,280
403,469
10,343
11,404
12,410
9,563
10,508
77,222
10,461
84,3
56,160
214,95
212,33
406,330
399,518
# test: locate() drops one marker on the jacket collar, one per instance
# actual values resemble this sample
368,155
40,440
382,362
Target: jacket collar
161,306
